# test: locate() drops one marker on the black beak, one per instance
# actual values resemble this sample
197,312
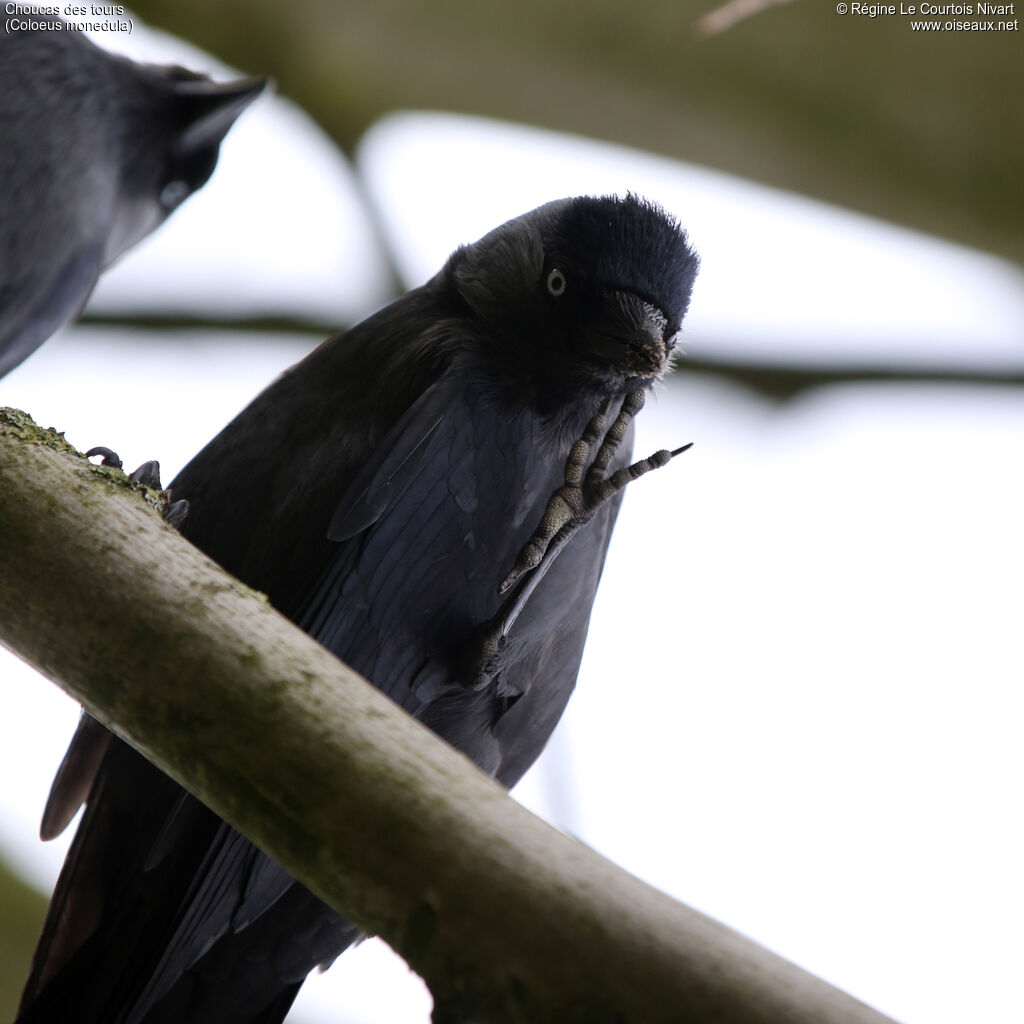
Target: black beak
212,108
630,333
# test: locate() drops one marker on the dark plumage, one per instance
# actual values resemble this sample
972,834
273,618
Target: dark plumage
380,492
97,151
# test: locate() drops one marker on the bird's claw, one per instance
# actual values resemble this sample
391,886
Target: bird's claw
110,458
175,513
585,489
148,474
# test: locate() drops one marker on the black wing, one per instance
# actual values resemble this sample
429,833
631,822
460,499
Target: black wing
399,600
159,903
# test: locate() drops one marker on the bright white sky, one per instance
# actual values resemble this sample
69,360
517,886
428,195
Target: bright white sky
811,731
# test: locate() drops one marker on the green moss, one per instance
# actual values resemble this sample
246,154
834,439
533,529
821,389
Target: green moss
22,426
205,591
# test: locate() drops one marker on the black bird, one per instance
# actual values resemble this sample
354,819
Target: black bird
96,152
385,493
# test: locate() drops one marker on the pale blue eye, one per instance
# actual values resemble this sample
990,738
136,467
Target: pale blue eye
556,283
173,194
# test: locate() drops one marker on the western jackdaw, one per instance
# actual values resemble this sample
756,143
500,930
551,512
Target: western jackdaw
430,495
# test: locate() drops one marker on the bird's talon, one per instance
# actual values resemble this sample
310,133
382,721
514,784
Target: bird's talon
585,489
148,474
110,458
176,512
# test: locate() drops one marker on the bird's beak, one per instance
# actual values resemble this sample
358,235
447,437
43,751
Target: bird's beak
630,334
213,107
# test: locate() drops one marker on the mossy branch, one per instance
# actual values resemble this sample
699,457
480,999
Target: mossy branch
507,919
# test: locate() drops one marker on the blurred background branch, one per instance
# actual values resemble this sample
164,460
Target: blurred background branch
724,17
917,128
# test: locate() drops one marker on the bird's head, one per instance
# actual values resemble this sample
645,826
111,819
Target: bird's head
173,122
589,292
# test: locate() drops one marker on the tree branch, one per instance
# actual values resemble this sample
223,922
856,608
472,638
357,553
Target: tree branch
731,13
506,919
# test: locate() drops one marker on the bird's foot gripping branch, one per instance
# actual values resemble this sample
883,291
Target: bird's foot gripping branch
148,475
145,480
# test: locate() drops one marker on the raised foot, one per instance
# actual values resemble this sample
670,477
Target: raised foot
585,489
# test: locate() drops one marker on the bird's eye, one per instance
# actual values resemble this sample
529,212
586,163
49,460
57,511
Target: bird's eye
173,194
556,283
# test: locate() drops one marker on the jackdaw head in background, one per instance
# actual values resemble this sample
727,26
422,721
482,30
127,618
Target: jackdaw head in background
595,288
97,152
180,120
